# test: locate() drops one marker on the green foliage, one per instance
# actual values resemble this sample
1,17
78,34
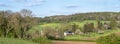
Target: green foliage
74,27
54,32
16,24
88,27
14,41
109,39
100,25
113,23
42,40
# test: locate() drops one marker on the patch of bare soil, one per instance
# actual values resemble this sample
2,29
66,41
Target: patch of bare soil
72,42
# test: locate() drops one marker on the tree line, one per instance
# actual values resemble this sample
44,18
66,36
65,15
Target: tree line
81,17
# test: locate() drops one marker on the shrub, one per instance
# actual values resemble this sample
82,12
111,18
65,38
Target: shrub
109,39
42,40
55,37
50,37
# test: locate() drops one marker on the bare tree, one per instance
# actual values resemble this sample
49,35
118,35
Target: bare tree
27,21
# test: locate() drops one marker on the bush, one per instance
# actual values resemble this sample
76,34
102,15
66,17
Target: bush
50,37
42,40
109,39
55,37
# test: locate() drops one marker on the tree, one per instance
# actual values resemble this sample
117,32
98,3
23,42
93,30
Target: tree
74,27
4,17
27,22
15,19
88,27
113,23
2,23
99,25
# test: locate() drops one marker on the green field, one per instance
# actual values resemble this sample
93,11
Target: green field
90,37
81,24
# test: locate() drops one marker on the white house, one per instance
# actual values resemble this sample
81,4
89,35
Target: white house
68,33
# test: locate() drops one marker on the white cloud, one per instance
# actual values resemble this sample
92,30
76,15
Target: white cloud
39,0
3,5
33,4
27,0
18,0
29,3
72,6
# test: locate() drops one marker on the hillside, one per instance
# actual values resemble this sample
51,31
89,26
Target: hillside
81,17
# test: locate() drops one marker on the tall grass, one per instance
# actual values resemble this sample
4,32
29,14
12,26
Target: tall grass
15,41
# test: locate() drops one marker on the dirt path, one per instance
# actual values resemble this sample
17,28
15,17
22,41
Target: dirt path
72,42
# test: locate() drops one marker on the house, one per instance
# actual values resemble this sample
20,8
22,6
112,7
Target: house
107,26
68,33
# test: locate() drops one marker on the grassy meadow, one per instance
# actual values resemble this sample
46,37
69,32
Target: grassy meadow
15,41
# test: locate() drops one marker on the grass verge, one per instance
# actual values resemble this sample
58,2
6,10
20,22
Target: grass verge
15,41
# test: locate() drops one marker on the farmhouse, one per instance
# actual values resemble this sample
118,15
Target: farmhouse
68,33
107,26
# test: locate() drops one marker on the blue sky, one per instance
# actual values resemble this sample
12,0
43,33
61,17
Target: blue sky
42,8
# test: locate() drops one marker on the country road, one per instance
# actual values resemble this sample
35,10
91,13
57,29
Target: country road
72,42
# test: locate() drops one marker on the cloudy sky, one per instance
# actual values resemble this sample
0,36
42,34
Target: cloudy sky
43,8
